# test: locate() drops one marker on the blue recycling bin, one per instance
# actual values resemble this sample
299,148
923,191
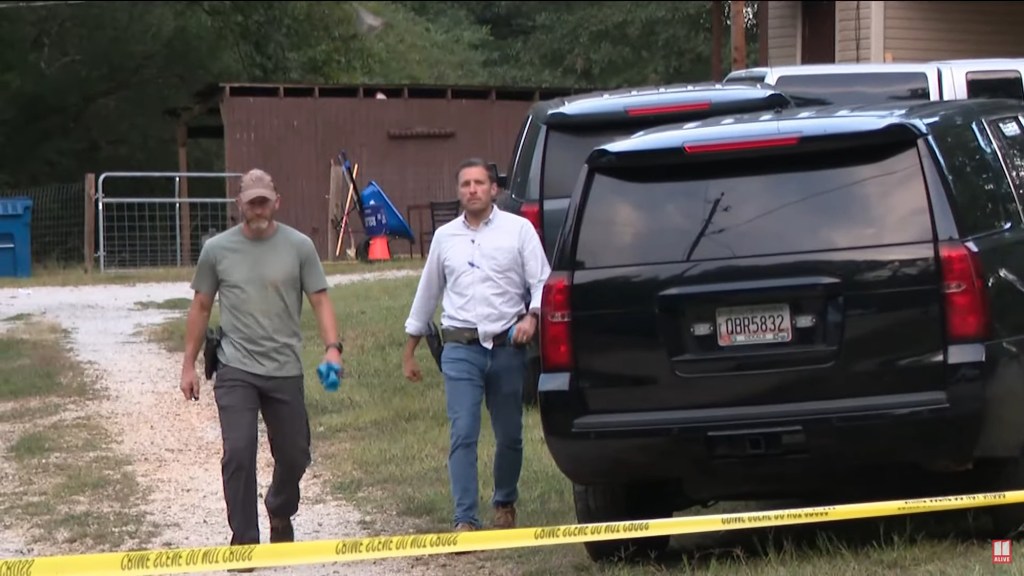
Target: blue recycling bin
16,237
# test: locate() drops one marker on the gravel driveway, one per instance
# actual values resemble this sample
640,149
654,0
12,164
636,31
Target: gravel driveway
175,444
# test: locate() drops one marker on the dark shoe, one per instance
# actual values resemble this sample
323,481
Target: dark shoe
464,527
281,530
242,570
505,516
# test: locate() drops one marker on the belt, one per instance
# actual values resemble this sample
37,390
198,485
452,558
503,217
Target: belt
469,336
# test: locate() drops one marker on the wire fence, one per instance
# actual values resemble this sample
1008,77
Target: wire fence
137,220
147,232
58,221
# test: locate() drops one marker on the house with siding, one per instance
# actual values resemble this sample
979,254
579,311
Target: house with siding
819,32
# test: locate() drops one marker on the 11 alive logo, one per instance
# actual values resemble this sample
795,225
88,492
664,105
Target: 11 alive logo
1002,552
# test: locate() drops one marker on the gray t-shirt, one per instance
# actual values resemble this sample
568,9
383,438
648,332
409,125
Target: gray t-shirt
261,285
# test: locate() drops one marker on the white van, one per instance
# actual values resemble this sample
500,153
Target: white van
855,83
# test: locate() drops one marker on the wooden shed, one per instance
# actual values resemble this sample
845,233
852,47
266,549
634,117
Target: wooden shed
408,139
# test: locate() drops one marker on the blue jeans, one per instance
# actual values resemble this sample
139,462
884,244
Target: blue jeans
473,374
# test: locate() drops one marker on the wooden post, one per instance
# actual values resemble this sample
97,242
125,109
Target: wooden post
330,212
717,15
762,33
89,246
334,209
737,25
186,226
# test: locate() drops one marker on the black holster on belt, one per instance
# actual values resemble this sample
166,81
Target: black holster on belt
211,348
435,343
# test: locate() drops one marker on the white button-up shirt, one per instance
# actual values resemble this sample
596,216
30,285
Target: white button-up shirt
486,276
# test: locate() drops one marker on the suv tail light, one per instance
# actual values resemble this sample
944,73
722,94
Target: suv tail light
556,324
667,109
531,211
739,145
963,288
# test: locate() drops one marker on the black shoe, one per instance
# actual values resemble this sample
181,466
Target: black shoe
281,530
242,570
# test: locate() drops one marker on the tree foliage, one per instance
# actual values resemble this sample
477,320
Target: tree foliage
84,86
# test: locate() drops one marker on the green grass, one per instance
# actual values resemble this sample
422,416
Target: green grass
73,489
67,485
385,442
16,412
169,304
35,363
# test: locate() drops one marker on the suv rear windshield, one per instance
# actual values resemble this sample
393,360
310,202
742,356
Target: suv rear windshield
753,208
851,89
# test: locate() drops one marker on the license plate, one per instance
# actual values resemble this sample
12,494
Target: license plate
754,325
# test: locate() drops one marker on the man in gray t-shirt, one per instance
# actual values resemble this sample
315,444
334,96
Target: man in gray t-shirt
260,269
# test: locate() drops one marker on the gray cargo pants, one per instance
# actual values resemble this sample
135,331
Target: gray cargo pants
240,396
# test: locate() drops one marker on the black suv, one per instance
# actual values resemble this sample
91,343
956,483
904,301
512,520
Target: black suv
557,135
818,304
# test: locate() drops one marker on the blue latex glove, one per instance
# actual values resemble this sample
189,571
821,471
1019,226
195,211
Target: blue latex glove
330,376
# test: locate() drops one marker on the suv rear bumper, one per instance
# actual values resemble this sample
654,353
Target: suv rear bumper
772,451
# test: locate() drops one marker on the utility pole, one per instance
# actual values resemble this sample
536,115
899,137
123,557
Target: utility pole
737,25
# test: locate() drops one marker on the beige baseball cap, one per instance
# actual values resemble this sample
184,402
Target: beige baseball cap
255,184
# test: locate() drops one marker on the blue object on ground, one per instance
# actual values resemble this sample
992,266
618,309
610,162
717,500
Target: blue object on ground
383,216
16,237
375,221
330,376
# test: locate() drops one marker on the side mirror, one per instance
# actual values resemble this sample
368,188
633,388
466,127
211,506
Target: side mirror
501,179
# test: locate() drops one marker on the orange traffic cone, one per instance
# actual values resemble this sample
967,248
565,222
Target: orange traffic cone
379,249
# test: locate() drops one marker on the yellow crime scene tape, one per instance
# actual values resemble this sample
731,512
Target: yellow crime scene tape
217,558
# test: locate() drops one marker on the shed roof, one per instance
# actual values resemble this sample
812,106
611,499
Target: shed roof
202,115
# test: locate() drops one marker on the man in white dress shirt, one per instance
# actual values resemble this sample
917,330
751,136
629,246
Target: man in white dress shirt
483,263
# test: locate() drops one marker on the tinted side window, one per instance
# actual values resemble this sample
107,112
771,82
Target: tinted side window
852,89
995,84
1009,136
754,208
981,195
566,152
519,179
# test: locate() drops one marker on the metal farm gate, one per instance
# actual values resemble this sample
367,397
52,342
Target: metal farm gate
151,227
